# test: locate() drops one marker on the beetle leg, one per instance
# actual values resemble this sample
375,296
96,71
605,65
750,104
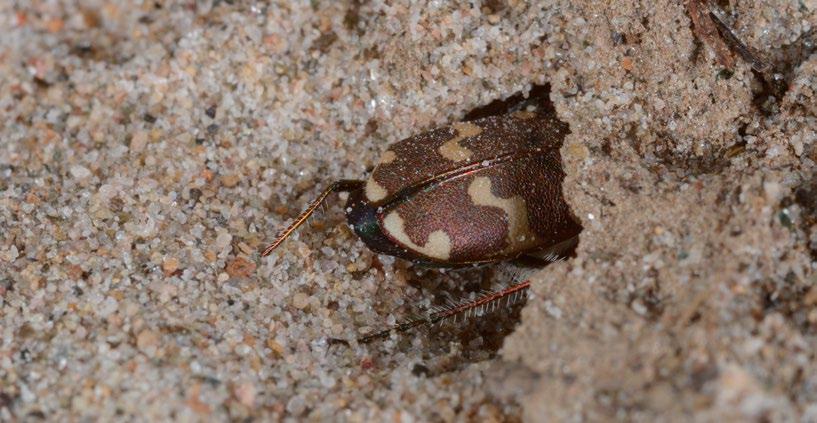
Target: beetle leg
484,304
552,254
530,260
337,186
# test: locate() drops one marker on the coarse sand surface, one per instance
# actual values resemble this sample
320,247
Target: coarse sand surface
150,149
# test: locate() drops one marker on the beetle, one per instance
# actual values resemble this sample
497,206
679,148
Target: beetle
482,190
471,193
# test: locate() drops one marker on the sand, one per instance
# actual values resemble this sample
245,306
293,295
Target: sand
148,150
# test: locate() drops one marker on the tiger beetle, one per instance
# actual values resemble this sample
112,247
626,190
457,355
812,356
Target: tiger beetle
479,191
483,190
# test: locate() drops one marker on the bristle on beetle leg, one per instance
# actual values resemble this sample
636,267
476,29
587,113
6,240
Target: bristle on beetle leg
337,186
485,303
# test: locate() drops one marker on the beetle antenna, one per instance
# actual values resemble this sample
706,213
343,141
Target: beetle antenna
337,186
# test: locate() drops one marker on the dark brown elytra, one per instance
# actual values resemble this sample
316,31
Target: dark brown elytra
479,191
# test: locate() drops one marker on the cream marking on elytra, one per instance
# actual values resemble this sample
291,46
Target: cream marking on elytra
519,233
438,245
388,157
451,149
523,114
374,192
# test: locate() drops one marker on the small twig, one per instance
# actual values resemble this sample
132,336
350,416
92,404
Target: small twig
714,32
707,31
744,51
